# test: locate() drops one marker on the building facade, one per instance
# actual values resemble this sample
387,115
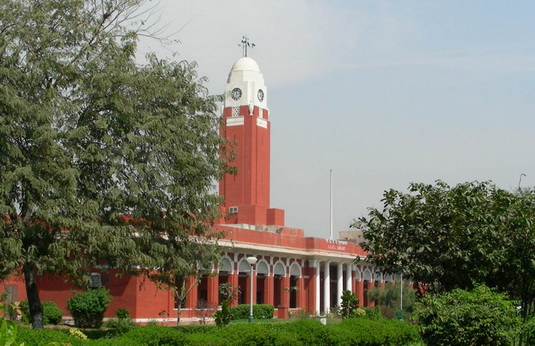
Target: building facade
294,273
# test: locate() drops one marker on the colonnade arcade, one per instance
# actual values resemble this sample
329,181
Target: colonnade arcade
289,284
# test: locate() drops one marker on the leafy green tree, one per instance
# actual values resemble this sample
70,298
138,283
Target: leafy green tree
477,317
452,237
349,305
100,158
389,299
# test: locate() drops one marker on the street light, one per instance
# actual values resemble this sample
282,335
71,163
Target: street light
252,262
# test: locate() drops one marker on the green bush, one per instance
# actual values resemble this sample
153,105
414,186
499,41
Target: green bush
122,314
361,331
260,311
528,332
196,328
88,308
374,313
349,306
51,313
309,332
153,335
120,324
222,317
37,337
250,334
459,317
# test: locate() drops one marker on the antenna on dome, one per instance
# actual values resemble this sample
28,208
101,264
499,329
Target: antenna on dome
245,44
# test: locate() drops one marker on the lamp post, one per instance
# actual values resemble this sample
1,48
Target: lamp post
252,261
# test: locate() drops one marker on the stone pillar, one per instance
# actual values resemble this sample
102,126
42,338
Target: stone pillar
317,287
371,285
326,288
349,277
360,292
354,279
269,297
212,283
300,293
339,283
285,291
191,297
233,280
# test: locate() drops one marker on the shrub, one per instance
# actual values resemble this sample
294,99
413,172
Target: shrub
260,311
222,317
51,313
120,324
88,308
389,299
309,332
153,335
359,331
350,304
46,336
252,334
374,313
528,332
459,317
122,314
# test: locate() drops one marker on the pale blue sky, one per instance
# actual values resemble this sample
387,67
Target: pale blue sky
384,93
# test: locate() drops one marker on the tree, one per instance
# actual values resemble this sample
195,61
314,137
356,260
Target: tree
349,306
453,237
389,299
100,158
477,317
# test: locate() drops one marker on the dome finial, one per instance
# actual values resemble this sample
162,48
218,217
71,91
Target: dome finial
245,44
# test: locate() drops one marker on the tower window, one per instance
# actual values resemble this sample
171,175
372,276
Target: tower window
235,111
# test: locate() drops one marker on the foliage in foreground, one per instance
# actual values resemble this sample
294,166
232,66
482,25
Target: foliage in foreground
300,332
52,314
459,317
349,306
260,311
452,237
389,300
92,143
88,308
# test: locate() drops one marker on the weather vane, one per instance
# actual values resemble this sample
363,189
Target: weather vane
245,43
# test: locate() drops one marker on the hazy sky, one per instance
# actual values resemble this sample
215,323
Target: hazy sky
384,93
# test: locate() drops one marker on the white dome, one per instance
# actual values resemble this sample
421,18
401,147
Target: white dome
245,64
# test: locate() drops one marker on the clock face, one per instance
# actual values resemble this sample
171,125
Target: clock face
235,94
260,95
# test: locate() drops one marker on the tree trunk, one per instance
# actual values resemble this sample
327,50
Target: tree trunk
34,303
179,311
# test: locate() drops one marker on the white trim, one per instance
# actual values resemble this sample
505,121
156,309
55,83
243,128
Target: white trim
230,261
235,121
278,264
259,267
299,269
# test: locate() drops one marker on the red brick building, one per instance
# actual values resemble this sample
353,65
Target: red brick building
293,272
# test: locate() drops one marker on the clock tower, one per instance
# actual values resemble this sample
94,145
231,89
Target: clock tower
246,125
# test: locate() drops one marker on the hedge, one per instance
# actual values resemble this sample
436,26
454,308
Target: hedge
301,332
363,331
88,308
260,311
38,337
51,313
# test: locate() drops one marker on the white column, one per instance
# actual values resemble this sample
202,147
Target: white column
326,288
339,283
317,265
349,277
